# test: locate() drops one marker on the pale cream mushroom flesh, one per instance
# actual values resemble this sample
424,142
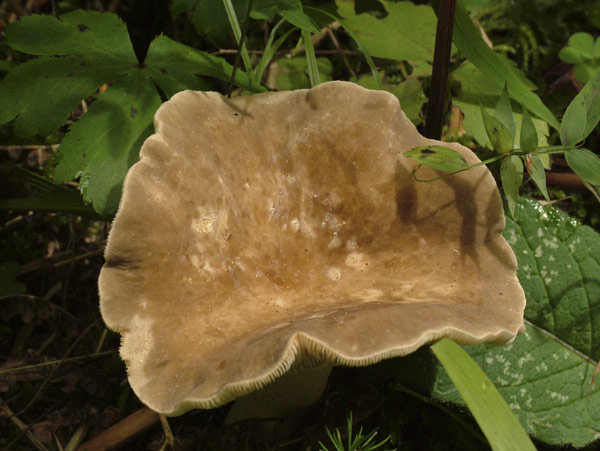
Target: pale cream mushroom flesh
260,233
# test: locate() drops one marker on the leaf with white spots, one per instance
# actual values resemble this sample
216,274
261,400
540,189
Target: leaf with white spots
545,375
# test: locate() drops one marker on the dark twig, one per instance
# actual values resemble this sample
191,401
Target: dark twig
441,63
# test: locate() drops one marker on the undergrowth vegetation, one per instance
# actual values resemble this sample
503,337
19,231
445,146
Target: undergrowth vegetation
79,84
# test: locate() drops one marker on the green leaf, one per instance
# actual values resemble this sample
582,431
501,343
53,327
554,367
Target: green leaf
406,33
409,92
511,174
589,95
529,137
579,48
470,43
210,19
437,157
545,373
356,39
43,92
585,164
270,49
292,72
9,284
572,128
500,137
174,65
497,422
299,19
504,113
535,167
105,142
75,33
476,88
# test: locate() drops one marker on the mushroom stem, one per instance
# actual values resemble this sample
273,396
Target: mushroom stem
300,387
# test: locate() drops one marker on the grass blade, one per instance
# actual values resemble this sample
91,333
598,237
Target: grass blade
496,420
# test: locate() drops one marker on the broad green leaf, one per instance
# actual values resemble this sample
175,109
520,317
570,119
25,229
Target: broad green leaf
500,137
511,174
585,164
102,145
529,138
504,113
409,92
476,88
535,167
437,157
545,374
498,423
572,128
406,33
353,35
470,43
9,284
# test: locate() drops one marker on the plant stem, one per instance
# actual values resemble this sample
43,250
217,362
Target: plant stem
240,37
441,64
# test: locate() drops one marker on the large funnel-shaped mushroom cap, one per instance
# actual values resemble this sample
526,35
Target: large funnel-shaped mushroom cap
259,230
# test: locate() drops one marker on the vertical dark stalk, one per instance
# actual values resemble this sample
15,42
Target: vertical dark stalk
236,61
441,63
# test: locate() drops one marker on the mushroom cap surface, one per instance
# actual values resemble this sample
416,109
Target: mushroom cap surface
258,231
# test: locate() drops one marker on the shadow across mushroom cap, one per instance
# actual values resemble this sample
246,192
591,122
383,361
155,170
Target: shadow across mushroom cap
260,231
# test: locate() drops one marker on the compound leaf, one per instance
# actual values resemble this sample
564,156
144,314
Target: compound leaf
102,145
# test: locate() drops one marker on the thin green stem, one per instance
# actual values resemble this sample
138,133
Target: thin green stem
540,150
240,37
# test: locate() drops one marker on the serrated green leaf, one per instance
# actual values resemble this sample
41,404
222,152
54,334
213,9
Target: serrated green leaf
503,112
500,137
43,92
470,43
102,145
572,128
545,374
497,422
585,164
75,33
511,174
437,157
529,138
406,33
535,167
9,284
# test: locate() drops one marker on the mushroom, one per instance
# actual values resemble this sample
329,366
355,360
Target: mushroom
263,237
